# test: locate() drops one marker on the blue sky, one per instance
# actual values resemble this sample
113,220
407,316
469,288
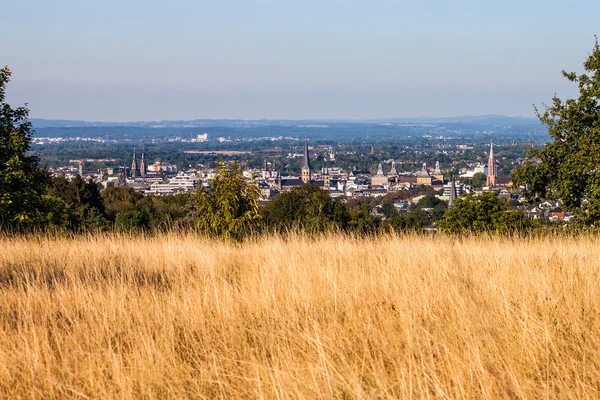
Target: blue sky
149,60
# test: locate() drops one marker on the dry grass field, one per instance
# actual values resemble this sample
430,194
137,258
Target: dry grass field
332,317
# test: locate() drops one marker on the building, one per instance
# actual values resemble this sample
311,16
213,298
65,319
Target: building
452,186
393,171
326,177
423,177
143,165
452,192
158,166
380,178
306,175
437,172
181,183
133,172
491,176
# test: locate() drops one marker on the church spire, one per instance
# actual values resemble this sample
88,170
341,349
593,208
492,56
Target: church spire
306,177
491,177
143,164
305,161
133,172
452,196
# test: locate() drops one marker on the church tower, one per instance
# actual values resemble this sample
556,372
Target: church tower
306,177
393,170
452,196
326,177
133,172
437,172
143,165
491,176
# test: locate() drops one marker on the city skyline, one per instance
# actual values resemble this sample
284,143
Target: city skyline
134,60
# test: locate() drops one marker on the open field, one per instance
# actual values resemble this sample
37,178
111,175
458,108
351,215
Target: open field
333,317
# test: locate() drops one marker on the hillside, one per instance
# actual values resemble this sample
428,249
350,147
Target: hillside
391,317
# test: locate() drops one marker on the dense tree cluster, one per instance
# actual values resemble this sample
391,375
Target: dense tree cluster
23,203
568,168
483,213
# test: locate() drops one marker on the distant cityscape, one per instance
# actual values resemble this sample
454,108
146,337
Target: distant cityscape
449,162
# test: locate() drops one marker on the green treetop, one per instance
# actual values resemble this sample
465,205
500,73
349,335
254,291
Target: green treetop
230,208
568,168
22,182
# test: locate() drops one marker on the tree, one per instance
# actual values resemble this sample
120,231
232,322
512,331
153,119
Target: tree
429,202
568,168
479,179
387,208
409,221
307,207
85,206
485,212
230,208
22,182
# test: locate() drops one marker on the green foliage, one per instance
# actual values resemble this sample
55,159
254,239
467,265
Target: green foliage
479,180
307,207
120,199
410,221
230,208
568,168
361,221
22,182
83,201
387,208
130,210
131,220
429,202
485,212
168,212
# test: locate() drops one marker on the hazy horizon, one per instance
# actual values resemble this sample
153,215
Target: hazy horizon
136,60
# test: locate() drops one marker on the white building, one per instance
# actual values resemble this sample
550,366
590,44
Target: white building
181,183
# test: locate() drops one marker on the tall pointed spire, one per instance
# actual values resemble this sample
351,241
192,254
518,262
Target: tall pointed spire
326,177
306,177
305,161
133,171
452,196
143,164
491,177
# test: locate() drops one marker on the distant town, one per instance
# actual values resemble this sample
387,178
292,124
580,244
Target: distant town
425,159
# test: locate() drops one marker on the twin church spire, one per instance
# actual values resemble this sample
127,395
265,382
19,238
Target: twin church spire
134,169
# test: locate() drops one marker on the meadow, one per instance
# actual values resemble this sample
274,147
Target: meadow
334,316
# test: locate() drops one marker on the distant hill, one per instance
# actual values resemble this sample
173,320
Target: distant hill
481,120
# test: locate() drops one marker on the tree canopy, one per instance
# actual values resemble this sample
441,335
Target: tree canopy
307,207
568,168
22,182
230,208
485,212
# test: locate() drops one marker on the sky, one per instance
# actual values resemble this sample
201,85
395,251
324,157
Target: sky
132,60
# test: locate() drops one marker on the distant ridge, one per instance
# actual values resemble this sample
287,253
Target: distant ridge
491,119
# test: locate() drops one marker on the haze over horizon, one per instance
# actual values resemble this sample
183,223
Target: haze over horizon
136,60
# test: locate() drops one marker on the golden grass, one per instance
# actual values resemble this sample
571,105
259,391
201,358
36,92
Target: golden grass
332,317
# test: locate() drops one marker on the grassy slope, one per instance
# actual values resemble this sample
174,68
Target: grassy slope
396,317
